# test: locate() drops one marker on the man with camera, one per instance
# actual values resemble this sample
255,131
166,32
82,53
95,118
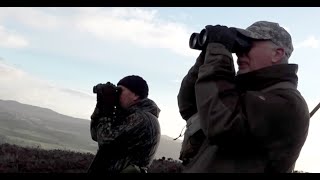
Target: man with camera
254,120
125,125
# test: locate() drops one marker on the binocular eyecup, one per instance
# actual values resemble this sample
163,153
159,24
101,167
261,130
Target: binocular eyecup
194,41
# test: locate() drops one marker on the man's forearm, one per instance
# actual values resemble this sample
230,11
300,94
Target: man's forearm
215,93
93,124
186,95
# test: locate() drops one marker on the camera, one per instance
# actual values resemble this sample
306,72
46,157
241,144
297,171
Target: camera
108,98
198,41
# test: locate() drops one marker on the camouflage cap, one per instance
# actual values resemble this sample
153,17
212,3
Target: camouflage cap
264,30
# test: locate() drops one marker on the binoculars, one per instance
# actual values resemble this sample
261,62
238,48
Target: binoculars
199,41
107,88
108,98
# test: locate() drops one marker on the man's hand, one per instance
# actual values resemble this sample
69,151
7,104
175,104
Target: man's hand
200,59
221,34
95,115
107,99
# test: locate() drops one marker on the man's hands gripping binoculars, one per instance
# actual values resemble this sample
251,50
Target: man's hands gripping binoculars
229,37
108,97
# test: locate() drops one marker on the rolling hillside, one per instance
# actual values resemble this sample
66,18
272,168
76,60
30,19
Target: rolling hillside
33,126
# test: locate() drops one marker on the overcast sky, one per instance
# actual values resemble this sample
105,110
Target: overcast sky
52,57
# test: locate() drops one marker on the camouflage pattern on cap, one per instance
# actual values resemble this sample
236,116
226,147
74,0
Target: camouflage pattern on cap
264,30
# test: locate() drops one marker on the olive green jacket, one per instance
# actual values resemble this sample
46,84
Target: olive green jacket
246,128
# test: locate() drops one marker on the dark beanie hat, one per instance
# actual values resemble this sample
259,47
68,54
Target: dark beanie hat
136,84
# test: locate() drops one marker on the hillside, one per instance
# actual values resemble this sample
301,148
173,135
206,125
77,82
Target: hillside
28,125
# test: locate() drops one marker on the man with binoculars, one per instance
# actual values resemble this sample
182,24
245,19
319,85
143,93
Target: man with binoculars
252,120
125,125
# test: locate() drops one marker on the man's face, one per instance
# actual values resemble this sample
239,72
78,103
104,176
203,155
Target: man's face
127,97
262,54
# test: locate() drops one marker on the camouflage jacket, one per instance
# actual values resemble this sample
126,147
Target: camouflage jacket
245,128
132,139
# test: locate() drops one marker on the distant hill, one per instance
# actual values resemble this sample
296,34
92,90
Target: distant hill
28,125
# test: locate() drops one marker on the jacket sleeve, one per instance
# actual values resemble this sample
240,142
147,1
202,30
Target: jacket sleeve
93,124
186,96
216,98
106,132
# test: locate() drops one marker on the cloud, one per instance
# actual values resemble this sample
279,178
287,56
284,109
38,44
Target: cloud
287,29
25,88
33,17
310,42
176,81
138,26
11,39
170,120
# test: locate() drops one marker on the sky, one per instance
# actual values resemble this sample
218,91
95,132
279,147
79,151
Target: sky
52,57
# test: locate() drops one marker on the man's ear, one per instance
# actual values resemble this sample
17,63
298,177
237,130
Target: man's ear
278,55
136,97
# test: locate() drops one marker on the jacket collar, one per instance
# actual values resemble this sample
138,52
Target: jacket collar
147,105
262,78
